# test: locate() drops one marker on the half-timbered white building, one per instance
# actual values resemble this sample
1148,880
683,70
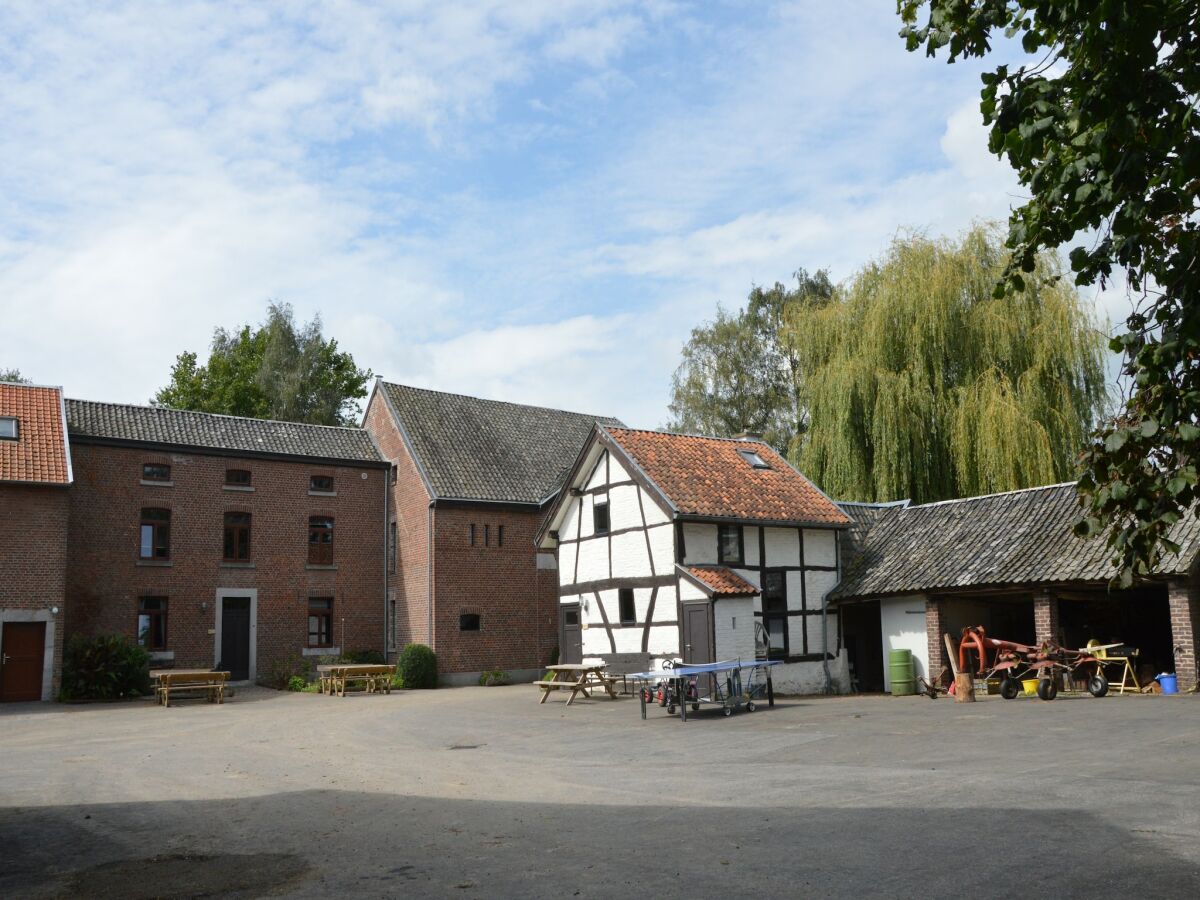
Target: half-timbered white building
697,549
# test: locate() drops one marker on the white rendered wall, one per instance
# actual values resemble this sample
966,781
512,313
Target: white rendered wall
699,544
623,511
903,623
783,546
820,547
809,677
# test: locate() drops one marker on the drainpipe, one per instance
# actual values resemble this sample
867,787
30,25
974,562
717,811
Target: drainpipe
429,574
825,642
387,486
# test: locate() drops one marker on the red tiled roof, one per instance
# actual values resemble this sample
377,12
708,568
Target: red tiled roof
706,476
39,454
724,582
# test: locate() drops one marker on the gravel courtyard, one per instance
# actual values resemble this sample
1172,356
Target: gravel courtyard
481,792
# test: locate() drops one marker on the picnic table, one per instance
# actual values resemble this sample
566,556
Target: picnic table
578,678
375,676
188,682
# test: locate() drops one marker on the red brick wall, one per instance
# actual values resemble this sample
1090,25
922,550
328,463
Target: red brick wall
408,587
517,602
105,580
33,554
1183,595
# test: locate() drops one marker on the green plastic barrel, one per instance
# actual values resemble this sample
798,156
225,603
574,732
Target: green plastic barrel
901,668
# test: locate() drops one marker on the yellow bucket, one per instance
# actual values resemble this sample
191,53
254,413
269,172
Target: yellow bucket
1030,685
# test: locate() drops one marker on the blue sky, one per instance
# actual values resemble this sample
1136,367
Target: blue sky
531,201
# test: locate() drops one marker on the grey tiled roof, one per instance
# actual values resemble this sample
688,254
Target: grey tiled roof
475,449
181,428
1021,537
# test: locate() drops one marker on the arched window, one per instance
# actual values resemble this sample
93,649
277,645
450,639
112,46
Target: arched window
320,540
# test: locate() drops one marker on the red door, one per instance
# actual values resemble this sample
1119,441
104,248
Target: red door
23,654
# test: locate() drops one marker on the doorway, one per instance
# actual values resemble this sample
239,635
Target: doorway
570,636
22,660
862,636
235,645
697,633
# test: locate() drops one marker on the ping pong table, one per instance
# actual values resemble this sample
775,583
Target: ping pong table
731,683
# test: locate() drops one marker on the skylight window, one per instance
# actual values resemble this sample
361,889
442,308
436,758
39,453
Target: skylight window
752,457
9,430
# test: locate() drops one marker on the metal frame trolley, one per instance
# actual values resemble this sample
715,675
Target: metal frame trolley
730,684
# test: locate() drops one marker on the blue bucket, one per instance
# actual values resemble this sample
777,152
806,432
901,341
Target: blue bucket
1168,683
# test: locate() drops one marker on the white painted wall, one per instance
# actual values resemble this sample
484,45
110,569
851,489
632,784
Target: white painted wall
903,623
733,628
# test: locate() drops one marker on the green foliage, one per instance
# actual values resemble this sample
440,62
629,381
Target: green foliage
398,681
109,667
14,376
922,384
297,683
417,667
738,374
1103,132
494,677
277,371
280,672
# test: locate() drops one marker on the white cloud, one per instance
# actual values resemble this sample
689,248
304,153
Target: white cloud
481,196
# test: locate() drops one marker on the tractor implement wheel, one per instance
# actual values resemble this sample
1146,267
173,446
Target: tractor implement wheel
1047,689
1009,688
750,707
1098,685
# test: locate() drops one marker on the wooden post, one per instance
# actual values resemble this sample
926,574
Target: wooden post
964,687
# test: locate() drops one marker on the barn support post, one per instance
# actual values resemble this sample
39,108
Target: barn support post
934,626
1045,617
1183,597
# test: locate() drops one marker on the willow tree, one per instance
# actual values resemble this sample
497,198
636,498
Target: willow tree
921,383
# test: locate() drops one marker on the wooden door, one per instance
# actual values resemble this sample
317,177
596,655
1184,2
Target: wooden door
24,655
697,633
570,635
235,637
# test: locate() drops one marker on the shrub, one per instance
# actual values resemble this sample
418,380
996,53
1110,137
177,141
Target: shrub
108,667
297,683
279,673
364,657
494,677
417,665
554,657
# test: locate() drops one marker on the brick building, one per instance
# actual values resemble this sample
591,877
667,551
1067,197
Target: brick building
218,540
35,479
472,481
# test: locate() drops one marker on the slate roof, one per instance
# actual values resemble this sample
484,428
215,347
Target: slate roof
207,431
40,454
489,450
1016,538
708,477
721,581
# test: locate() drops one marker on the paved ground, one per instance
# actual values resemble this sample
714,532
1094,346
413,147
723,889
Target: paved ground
480,792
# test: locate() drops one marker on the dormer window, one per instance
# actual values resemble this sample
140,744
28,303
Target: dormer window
752,457
9,429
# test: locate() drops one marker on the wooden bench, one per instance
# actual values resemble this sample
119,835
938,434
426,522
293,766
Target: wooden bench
190,683
374,677
585,678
